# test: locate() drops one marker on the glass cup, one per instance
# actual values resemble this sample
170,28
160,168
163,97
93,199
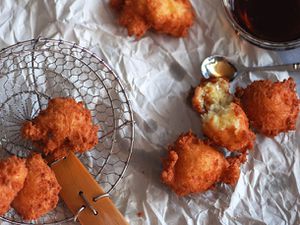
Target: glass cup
270,24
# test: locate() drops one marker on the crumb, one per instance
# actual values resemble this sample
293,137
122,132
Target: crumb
140,214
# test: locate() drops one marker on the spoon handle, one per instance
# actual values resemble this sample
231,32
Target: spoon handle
286,67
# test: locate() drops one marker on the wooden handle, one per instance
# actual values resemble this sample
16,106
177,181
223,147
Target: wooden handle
77,184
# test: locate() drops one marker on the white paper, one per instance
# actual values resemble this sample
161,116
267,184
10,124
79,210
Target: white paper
158,72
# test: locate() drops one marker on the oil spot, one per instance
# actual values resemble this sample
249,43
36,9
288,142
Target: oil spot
150,126
276,187
272,167
278,184
288,153
177,71
140,214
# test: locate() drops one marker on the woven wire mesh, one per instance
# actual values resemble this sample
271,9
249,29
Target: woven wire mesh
34,71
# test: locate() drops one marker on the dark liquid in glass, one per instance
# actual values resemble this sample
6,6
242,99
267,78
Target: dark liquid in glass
271,20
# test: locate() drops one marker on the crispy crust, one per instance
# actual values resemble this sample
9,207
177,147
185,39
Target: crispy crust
192,166
40,192
116,4
234,138
12,176
271,107
132,16
173,17
231,174
64,126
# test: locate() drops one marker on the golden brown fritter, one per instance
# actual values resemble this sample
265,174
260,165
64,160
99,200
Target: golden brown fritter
40,192
272,107
228,127
193,166
12,177
223,121
173,17
64,126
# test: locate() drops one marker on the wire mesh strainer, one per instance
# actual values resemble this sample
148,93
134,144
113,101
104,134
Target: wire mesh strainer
32,72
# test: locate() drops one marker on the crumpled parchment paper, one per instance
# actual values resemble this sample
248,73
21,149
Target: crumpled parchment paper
158,72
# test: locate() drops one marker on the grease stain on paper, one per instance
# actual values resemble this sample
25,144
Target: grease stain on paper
150,126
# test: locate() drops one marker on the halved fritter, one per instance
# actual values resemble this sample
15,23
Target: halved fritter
223,121
211,93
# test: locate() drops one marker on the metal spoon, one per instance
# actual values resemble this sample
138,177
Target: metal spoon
219,66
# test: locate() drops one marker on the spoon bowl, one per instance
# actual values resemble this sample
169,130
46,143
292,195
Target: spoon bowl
218,66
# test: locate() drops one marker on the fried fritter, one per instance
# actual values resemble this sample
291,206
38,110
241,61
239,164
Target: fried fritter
228,127
193,166
272,107
12,177
64,126
173,17
223,121
40,192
